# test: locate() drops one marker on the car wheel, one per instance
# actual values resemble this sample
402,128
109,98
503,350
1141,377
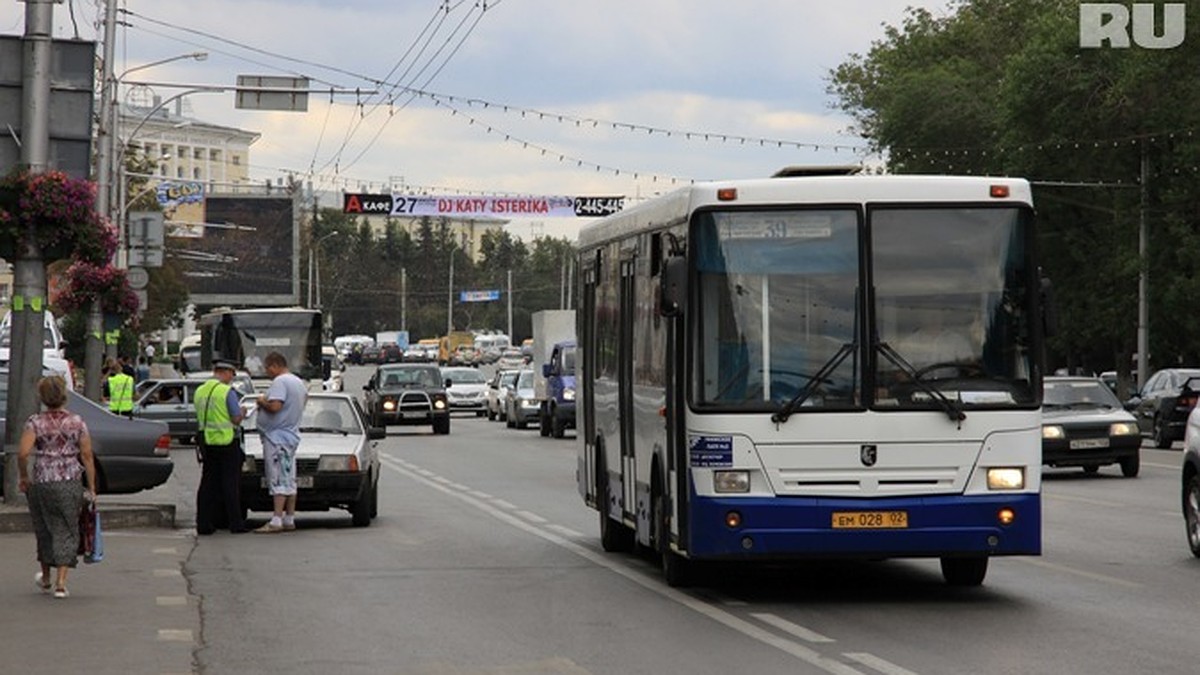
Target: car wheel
1191,513
360,511
1161,441
491,415
1130,465
557,427
375,499
543,424
510,422
441,425
964,571
480,413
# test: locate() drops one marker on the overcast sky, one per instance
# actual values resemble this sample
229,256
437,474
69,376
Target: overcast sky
753,69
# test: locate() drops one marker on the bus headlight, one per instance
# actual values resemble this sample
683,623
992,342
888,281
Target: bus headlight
1123,429
1006,478
568,394
1052,432
731,481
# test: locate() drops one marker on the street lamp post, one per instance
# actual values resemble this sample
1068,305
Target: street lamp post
314,252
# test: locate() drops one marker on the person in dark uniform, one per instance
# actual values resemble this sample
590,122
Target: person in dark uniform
218,413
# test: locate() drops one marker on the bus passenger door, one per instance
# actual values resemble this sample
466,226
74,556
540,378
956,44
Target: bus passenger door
586,378
625,388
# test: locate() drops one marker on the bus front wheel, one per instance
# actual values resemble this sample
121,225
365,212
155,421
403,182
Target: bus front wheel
964,571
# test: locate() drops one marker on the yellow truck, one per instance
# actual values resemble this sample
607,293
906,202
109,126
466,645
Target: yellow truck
451,350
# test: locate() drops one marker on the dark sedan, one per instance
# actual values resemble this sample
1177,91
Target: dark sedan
407,393
131,455
1164,403
1084,425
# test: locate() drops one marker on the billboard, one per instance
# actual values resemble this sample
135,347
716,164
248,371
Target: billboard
467,206
245,251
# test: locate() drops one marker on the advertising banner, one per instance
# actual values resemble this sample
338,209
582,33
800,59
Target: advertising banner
465,206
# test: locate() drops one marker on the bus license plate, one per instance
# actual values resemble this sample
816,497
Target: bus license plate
870,520
1085,443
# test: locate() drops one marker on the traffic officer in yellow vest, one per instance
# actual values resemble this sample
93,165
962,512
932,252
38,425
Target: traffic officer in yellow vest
119,390
219,413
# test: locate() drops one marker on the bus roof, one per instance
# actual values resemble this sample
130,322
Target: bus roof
675,207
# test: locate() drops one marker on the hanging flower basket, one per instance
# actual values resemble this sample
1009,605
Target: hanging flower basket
61,211
84,282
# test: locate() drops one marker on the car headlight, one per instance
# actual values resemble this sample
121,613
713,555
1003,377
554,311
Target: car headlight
1053,432
389,405
731,481
440,404
569,394
337,463
1124,429
1006,478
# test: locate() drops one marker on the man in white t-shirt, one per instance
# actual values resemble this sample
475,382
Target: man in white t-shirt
279,413
150,352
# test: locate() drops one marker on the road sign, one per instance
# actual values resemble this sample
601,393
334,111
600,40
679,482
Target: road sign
139,278
145,257
266,92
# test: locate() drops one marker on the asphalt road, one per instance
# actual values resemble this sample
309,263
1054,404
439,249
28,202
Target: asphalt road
484,560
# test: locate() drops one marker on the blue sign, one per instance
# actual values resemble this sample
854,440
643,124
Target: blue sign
478,296
710,451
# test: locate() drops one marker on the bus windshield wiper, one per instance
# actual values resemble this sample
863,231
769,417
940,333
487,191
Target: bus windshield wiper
953,409
785,411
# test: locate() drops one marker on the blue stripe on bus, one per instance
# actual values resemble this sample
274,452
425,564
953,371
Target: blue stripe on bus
800,527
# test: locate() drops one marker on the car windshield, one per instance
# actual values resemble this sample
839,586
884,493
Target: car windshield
525,380
1078,394
506,379
465,376
322,415
6,337
410,377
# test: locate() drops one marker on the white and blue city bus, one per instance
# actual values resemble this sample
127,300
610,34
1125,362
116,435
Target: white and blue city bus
816,366
246,336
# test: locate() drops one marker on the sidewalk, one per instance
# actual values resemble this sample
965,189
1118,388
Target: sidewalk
131,613
170,505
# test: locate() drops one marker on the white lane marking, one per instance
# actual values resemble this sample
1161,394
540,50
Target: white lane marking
790,628
532,517
424,472
503,504
806,654
1081,573
480,495
170,601
164,573
566,531
166,550
459,486
872,661
1173,467
441,479
174,635
1084,500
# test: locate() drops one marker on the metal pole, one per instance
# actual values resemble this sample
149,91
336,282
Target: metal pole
510,334
450,297
403,299
93,347
1143,330
29,271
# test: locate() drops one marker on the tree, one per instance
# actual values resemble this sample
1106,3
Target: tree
1002,87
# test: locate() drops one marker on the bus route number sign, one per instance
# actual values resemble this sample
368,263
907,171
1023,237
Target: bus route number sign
870,520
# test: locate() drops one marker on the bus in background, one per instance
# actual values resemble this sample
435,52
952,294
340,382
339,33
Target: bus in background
830,366
189,355
246,336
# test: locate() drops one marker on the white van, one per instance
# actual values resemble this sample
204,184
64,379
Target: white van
52,355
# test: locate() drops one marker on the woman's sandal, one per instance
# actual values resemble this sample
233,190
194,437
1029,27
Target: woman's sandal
61,593
43,583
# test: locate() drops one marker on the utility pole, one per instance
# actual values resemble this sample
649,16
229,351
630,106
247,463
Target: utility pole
93,349
312,237
29,270
450,297
509,294
1143,329
403,299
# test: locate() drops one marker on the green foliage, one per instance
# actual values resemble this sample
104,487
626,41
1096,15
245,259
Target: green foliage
1002,87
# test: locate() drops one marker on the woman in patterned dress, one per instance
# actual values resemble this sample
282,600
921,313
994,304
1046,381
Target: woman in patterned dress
62,450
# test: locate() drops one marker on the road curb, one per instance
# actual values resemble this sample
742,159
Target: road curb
112,517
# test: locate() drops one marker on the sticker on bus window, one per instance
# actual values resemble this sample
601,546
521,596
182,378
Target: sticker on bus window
710,451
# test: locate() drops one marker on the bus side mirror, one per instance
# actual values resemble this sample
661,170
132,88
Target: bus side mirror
1049,309
672,286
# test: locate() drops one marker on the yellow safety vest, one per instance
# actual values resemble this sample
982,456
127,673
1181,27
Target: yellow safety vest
212,413
120,393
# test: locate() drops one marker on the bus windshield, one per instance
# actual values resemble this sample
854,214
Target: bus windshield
951,300
779,305
247,337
